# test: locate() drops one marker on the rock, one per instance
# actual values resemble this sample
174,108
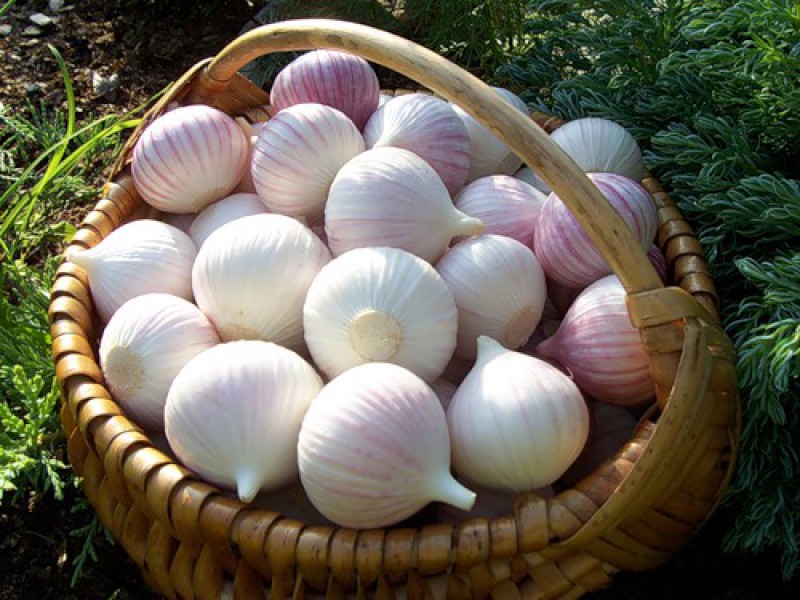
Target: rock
41,20
33,89
102,84
5,29
31,31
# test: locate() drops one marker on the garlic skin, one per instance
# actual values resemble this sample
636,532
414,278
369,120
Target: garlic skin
252,275
374,448
601,348
428,127
599,145
144,346
530,177
489,155
380,305
343,81
297,155
567,254
499,288
224,211
507,206
137,258
188,158
234,412
392,197
537,412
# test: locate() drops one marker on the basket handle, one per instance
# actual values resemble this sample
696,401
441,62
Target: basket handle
605,227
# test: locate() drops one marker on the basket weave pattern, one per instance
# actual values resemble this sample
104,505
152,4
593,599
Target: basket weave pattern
192,540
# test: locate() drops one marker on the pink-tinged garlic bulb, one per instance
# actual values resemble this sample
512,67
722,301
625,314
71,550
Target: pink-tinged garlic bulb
499,288
567,254
374,448
297,155
137,258
489,155
392,197
530,177
224,211
144,346
601,348
233,414
380,305
330,77
252,275
601,146
611,428
188,158
428,127
507,206
536,410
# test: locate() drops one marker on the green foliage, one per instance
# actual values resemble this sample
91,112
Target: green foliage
710,89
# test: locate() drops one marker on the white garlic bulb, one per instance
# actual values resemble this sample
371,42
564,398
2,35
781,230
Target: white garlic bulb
188,158
234,412
392,197
144,346
488,154
428,127
330,77
297,155
380,305
224,211
601,146
537,411
137,258
374,448
499,288
252,275
506,205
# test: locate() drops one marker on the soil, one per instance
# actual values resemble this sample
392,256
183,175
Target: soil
148,44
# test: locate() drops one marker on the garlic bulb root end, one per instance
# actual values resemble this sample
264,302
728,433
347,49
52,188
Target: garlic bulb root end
124,368
375,335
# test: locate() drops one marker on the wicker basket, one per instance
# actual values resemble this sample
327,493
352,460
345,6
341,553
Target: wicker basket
192,540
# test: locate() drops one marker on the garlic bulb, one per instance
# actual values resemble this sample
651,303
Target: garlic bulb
337,79
144,346
252,275
601,146
297,155
507,206
489,155
530,177
516,423
567,254
499,289
188,158
428,127
224,211
137,258
392,197
374,448
380,305
601,348
234,412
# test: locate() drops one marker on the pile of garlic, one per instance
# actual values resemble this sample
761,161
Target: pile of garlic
366,302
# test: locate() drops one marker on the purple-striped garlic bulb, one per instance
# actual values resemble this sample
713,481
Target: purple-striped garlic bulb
337,79
224,211
565,250
506,205
233,414
516,423
298,153
499,288
188,158
374,448
428,127
601,348
392,197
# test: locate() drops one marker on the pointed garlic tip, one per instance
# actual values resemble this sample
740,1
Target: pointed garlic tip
470,225
489,348
449,490
521,324
375,335
248,484
78,256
